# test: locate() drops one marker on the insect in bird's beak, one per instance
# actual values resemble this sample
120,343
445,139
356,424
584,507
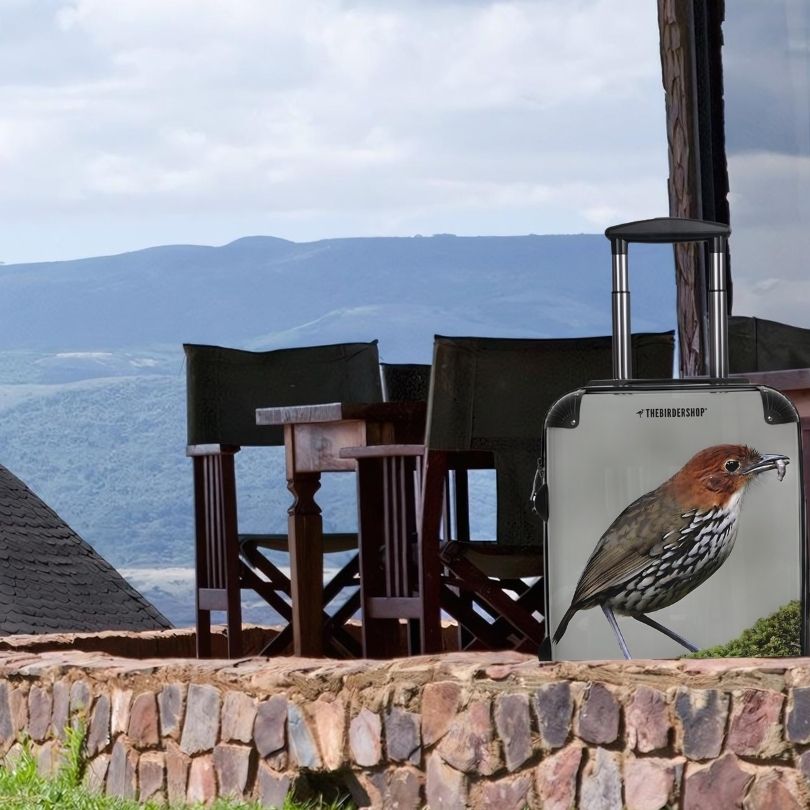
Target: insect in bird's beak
773,461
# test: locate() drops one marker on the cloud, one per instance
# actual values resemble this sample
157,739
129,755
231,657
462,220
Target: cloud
312,118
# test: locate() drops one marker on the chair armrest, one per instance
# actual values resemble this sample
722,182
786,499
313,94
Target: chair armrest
332,541
496,559
194,450
382,451
275,542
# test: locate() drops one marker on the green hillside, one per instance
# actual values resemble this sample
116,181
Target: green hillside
92,382
109,456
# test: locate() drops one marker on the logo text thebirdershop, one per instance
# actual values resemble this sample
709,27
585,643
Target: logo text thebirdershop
672,413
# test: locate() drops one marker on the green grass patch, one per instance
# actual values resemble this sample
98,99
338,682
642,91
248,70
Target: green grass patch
22,788
774,636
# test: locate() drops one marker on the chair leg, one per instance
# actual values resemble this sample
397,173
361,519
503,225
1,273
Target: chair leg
462,497
532,599
343,643
279,643
429,564
201,557
490,593
380,635
216,547
345,578
477,628
255,559
236,647
336,636
203,634
267,592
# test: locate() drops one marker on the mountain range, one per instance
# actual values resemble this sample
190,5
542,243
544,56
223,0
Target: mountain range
91,367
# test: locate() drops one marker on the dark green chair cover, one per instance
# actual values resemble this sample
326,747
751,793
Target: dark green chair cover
405,382
493,394
224,389
225,386
757,344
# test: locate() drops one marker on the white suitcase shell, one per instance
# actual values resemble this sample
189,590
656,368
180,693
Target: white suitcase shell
609,443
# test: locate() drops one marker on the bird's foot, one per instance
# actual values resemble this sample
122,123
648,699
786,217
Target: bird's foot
617,630
666,631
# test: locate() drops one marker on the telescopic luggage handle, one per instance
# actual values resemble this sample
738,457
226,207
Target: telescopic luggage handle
670,230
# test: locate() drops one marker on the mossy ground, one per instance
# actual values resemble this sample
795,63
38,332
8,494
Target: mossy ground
775,636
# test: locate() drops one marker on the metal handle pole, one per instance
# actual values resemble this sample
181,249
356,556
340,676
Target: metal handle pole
718,310
622,356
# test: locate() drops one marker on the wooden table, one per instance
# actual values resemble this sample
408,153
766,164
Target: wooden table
313,438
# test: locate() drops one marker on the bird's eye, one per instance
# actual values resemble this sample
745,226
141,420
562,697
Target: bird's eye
732,465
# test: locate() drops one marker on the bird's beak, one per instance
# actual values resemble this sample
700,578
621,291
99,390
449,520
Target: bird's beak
772,461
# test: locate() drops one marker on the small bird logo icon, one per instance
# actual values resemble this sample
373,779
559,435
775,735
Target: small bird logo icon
670,540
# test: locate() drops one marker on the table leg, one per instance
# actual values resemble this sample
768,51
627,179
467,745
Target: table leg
305,532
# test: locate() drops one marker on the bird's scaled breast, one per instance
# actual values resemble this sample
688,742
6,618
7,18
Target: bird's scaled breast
681,564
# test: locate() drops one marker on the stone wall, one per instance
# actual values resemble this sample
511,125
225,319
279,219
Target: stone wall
452,731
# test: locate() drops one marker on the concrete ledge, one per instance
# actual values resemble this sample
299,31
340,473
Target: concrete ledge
178,643
451,731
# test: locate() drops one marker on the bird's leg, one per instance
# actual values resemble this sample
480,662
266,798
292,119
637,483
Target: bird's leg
615,625
666,631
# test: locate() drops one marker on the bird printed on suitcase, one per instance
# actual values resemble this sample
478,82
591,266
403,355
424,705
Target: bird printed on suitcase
670,540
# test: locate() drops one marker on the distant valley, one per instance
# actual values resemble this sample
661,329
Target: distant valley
92,386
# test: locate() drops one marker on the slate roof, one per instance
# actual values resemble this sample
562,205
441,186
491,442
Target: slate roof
53,581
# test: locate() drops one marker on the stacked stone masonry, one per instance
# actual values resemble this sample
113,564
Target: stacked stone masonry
453,731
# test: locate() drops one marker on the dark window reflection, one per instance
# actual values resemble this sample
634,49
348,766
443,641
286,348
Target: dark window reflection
766,61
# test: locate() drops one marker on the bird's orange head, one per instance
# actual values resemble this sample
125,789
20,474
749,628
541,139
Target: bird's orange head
716,473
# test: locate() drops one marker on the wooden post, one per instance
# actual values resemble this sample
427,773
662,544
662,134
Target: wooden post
690,38
674,23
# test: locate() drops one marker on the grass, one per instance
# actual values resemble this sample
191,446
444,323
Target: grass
22,788
774,636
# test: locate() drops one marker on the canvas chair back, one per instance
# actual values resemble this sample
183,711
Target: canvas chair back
225,386
757,344
405,382
493,394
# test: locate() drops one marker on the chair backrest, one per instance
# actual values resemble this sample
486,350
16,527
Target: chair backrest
225,386
405,382
493,394
756,344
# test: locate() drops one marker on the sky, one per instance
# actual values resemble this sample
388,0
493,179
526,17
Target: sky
131,123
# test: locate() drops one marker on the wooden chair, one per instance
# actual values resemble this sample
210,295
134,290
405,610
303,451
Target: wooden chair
224,388
488,399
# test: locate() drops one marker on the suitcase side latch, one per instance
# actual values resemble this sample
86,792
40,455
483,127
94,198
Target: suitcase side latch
539,496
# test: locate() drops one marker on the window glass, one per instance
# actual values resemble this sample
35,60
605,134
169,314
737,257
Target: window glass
766,61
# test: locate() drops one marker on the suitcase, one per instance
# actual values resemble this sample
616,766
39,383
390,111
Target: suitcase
611,442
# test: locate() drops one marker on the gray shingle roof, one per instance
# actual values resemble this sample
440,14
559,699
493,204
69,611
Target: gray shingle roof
53,581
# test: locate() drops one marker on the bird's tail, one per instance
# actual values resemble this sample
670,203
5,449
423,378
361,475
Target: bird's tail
563,625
